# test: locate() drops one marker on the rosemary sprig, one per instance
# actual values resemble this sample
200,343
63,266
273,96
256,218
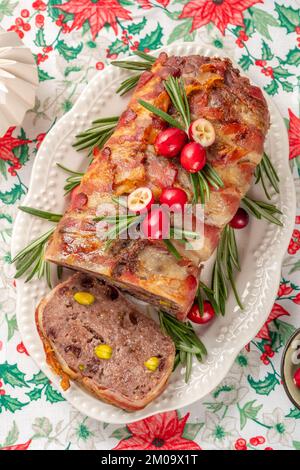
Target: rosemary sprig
265,169
171,248
145,56
73,180
96,135
262,210
128,84
120,223
41,214
205,291
165,116
31,259
132,64
226,261
186,341
177,94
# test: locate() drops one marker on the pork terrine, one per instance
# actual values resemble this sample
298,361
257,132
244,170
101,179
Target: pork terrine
145,268
72,333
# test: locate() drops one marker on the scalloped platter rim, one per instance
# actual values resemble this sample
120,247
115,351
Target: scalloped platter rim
262,247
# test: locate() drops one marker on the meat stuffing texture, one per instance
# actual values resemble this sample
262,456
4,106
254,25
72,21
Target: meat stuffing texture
72,332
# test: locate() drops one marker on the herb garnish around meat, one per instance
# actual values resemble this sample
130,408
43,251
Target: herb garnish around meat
120,223
73,180
265,169
31,260
128,84
96,135
186,341
226,262
207,176
262,210
139,66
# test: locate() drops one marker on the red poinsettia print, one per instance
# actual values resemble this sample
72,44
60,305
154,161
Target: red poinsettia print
163,431
7,144
276,312
97,14
220,12
18,446
294,135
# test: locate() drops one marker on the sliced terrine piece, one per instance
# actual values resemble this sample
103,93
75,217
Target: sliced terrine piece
72,333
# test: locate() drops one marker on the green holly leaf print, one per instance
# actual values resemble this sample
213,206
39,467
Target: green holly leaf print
43,75
6,8
11,375
293,57
136,28
11,404
11,326
249,27
294,413
117,47
39,379
10,197
182,31
288,17
191,430
265,386
266,53
40,40
287,86
296,445
53,395
22,152
248,411
55,12
285,330
281,72
6,217
272,88
152,40
34,394
68,52
12,436
262,20
121,433
245,62
126,3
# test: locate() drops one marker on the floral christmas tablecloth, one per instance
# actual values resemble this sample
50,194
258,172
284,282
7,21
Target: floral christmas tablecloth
72,41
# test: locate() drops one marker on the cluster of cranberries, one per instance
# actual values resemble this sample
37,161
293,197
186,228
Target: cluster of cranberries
294,244
172,142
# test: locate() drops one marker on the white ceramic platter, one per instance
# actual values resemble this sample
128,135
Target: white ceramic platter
261,247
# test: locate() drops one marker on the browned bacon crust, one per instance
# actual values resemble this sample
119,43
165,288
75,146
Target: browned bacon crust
146,269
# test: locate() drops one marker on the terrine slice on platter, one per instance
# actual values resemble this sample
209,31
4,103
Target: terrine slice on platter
92,334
